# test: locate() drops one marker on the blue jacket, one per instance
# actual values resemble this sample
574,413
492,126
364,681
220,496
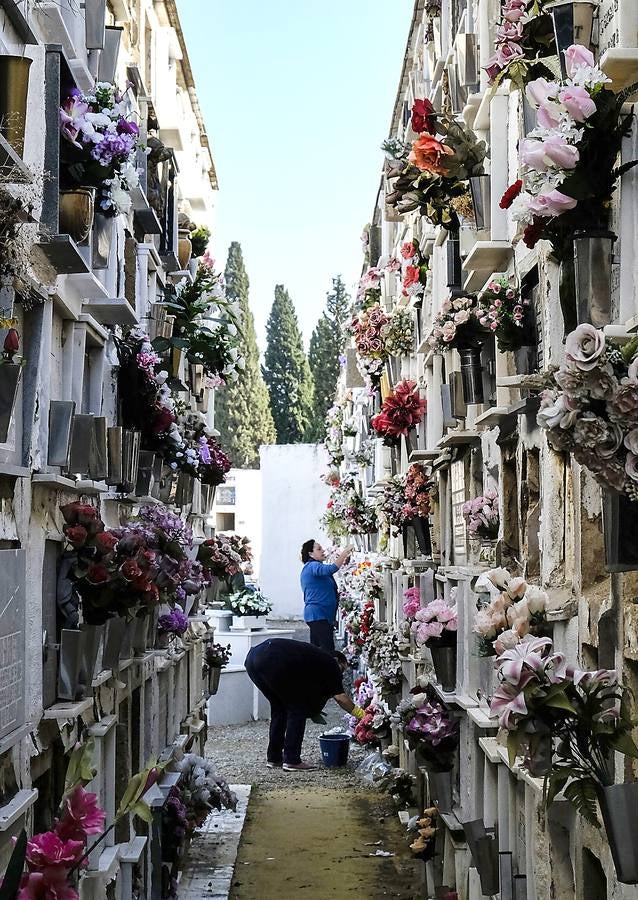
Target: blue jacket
319,591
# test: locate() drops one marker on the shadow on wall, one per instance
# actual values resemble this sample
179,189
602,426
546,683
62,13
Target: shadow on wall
293,500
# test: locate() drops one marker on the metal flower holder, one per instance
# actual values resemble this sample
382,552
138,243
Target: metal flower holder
480,189
573,24
619,808
10,375
472,375
593,258
444,662
440,786
620,526
484,849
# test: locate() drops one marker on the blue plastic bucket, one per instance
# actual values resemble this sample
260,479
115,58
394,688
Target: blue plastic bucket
334,749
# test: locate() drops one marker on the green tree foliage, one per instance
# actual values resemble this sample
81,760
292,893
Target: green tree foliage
326,346
242,411
287,372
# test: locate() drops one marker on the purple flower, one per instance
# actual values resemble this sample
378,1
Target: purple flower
174,622
126,126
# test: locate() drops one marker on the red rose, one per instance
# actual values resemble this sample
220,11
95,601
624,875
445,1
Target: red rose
330,504
106,541
412,276
146,558
532,234
423,117
97,574
76,535
511,194
162,421
130,570
79,513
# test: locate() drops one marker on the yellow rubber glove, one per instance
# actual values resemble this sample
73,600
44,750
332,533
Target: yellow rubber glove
358,713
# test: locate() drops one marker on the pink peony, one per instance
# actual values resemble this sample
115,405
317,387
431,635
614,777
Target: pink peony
82,816
577,102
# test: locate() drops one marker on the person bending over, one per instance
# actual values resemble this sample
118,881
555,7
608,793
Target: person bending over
320,593
297,679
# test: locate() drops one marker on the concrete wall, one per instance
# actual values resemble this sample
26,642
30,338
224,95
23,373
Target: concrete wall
293,500
246,508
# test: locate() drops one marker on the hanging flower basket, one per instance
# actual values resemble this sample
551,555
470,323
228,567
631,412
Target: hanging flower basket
619,808
593,256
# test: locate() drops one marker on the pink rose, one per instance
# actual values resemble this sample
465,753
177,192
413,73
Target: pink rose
492,68
461,317
585,346
576,57
549,114
448,331
513,11
507,53
539,91
577,102
509,31
552,203
559,153
533,155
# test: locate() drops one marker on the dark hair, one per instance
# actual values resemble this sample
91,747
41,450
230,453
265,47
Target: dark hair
341,658
306,549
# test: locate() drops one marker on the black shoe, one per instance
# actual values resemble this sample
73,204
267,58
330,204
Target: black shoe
273,765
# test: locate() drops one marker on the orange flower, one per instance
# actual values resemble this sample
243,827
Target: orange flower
427,152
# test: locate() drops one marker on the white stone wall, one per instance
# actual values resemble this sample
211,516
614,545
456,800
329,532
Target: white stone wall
294,499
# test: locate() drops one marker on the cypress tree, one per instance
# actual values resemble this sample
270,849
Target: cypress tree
326,346
287,372
242,410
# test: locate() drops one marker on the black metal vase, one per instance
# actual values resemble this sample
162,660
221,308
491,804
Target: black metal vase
421,527
484,850
619,808
620,526
444,661
471,375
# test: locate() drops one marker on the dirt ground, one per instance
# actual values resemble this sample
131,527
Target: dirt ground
317,843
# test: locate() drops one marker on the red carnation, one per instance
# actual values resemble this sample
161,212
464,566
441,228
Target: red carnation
511,194
76,535
423,117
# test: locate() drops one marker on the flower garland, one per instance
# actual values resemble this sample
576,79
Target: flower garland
99,146
401,410
457,324
593,413
506,314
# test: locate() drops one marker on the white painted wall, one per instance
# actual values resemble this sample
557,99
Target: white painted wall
293,500
247,508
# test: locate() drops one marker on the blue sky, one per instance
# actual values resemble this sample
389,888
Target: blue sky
297,96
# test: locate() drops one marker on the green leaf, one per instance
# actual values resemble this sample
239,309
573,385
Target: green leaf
582,794
513,743
160,344
560,701
80,769
623,743
143,810
11,880
136,783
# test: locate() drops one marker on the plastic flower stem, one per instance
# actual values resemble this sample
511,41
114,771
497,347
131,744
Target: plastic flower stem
90,849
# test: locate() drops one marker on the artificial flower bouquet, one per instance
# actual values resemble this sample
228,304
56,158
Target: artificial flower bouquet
414,274
507,314
515,610
431,174
358,624
224,556
391,503
217,656
525,45
434,734
401,411
99,145
173,623
334,435
129,570
418,487
569,159
398,783
411,602
422,832
435,625
399,333
382,656
351,512
482,516
593,412
569,721
249,603
206,324
202,790
357,584
457,324
375,725
368,329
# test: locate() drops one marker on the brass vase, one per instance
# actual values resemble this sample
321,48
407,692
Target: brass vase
77,210
14,89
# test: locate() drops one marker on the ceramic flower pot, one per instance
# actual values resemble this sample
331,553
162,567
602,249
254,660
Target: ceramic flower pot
444,662
10,375
573,22
214,675
249,623
593,257
471,375
619,808
440,786
77,212
480,189
14,91
184,248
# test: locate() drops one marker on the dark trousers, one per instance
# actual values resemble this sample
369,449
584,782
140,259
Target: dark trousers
287,723
322,635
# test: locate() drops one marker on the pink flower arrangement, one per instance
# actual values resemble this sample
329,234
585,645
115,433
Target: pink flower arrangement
506,313
435,624
456,324
481,516
515,610
368,329
411,602
517,45
415,269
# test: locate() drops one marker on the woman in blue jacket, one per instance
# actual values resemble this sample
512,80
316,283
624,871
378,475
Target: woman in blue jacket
320,592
